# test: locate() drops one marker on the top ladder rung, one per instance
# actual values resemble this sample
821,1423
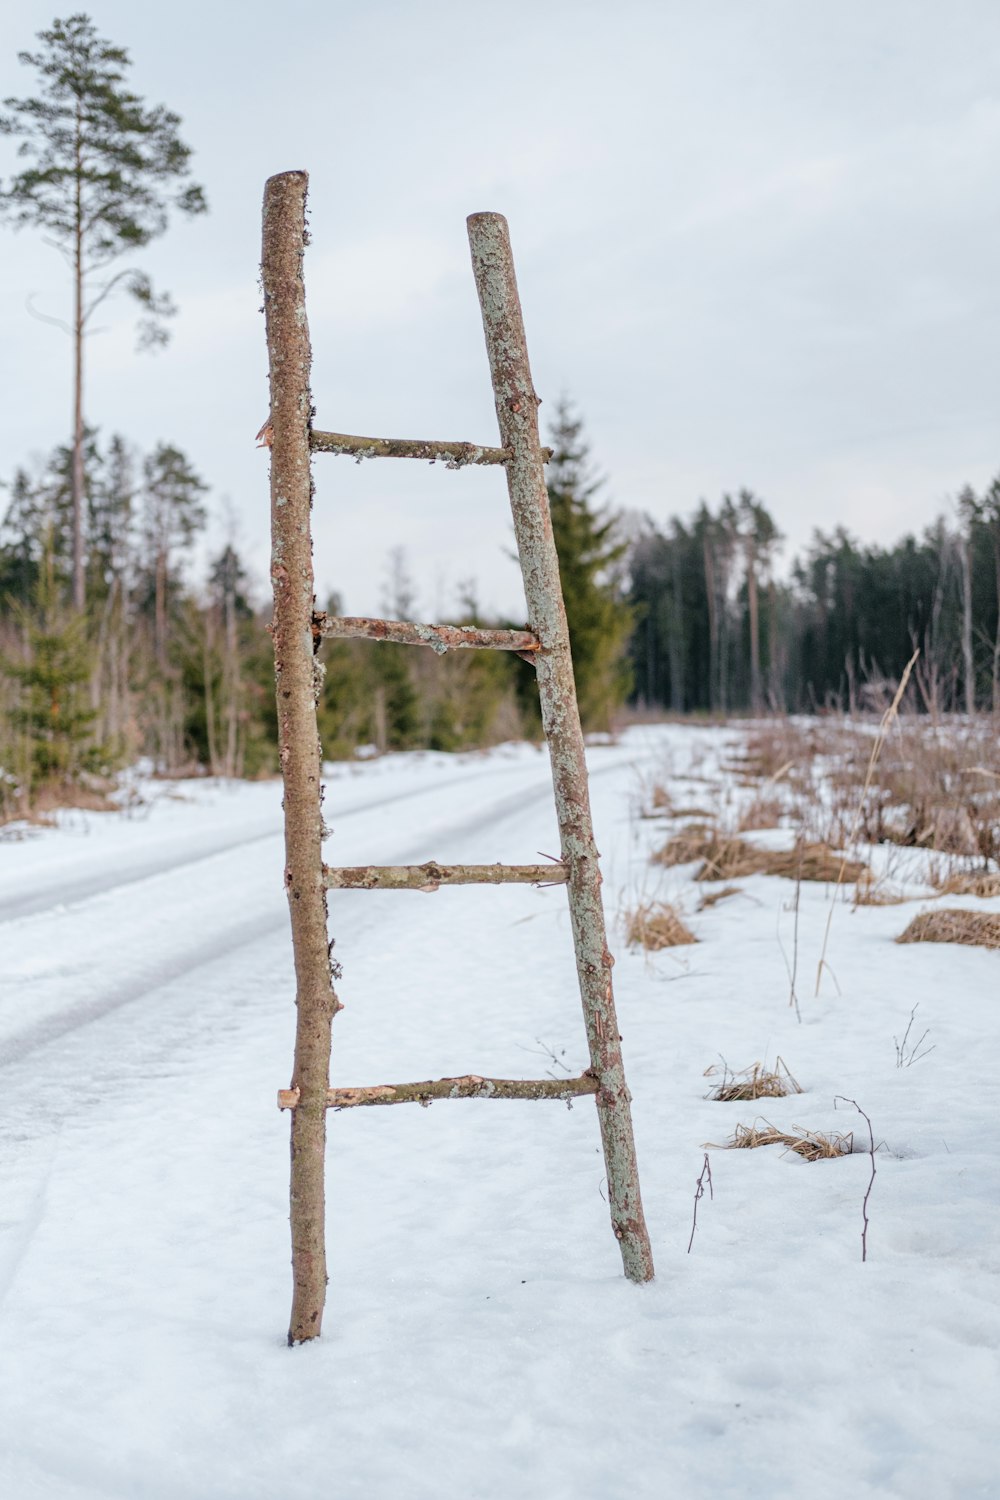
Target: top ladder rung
440,638
453,455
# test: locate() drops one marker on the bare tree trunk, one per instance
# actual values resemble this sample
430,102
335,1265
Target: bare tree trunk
206,669
380,723
676,642
517,415
77,473
995,675
969,671
713,622
754,612
160,607
233,686
301,755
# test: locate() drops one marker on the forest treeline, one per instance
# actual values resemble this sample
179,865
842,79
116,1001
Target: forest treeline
687,617
718,631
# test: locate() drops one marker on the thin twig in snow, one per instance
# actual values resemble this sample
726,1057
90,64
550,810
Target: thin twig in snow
544,1050
871,1180
904,1060
699,1193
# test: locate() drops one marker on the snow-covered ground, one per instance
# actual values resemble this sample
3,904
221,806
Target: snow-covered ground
480,1339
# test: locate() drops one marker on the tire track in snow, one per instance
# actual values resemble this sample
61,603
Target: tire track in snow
262,927
46,898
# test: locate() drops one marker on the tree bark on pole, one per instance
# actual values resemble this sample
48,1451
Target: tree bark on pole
517,414
301,756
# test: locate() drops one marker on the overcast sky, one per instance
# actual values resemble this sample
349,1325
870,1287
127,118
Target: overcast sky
758,243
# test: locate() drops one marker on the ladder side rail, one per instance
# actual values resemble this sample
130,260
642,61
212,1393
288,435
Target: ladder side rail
517,415
289,359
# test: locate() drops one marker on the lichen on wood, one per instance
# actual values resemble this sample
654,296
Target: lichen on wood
440,638
431,876
452,455
468,1086
517,415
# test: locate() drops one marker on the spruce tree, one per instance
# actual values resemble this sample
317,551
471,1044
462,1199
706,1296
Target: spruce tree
52,714
590,552
103,171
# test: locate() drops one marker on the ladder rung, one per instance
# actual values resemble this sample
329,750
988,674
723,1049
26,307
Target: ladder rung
454,455
440,638
429,876
470,1086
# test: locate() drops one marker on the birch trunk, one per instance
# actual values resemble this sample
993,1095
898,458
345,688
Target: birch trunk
968,665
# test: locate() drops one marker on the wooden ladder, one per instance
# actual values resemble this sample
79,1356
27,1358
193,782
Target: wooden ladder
298,630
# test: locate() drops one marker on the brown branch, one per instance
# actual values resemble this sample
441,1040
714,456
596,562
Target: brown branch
430,876
469,1086
454,455
440,638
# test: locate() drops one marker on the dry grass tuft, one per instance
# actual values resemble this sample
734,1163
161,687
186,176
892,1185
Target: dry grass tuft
90,795
654,925
725,857
967,883
806,862
976,929
755,1082
712,898
657,803
686,846
762,812
812,1145
872,892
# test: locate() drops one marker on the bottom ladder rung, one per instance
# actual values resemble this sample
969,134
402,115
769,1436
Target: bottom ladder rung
469,1086
429,876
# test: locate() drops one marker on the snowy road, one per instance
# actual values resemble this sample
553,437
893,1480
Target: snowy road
480,1339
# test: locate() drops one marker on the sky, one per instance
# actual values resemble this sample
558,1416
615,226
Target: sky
757,244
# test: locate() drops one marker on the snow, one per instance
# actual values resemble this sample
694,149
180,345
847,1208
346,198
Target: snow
480,1339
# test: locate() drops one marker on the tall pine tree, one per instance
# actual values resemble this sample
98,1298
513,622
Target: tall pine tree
104,170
